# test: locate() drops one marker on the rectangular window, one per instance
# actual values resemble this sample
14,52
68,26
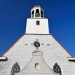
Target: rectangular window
37,22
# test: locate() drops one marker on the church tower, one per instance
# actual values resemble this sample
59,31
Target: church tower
37,24
37,52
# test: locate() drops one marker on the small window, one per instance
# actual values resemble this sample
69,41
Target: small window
37,66
57,68
33,12
37,10
15,69
41,12
37,14
37,22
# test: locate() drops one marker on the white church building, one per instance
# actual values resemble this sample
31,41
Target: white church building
37,52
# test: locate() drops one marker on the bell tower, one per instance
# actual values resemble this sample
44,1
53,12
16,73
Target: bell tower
37,12
37,24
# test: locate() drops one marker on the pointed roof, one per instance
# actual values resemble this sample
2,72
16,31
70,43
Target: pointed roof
37,6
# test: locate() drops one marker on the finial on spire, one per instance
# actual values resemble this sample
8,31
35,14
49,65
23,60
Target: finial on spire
37,3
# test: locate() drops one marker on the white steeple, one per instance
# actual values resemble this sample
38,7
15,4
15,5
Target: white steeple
37,12
37,24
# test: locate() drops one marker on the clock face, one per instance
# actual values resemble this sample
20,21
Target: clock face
36,44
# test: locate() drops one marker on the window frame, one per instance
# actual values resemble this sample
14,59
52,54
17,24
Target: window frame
37,22
15,69
57,69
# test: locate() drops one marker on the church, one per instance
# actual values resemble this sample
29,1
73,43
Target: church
37,52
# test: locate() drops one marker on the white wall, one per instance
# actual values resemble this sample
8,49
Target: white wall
32,28
54,53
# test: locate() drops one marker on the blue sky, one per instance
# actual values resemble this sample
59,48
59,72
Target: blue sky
61,15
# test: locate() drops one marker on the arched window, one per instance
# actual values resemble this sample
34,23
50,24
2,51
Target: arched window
57,68
15,69
41,13
33,13
37,14
37,10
